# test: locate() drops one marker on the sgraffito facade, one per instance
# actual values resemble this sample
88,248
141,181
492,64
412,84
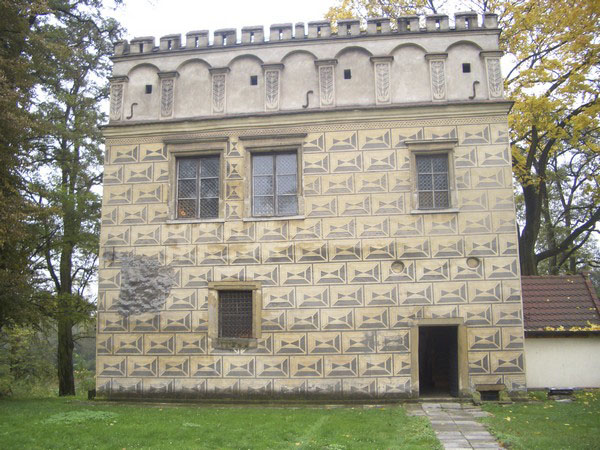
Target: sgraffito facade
353,189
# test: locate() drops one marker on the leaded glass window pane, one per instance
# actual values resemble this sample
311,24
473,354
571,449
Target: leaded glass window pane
209,188
186,208
263,206
286,184
198,187
286,164
287,205
275,184
432,181
441,199
425,182
426,199
209,167
263,185
186,189
188,168
440,181
262,164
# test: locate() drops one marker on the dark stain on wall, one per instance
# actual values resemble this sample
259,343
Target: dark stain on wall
145,285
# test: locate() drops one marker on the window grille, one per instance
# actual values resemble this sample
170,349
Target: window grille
432,181
275,184
235,314
198,187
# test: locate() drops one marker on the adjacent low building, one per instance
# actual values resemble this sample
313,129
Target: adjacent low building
562,332
316,214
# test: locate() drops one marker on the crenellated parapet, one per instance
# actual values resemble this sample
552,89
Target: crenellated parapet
300,67
316,30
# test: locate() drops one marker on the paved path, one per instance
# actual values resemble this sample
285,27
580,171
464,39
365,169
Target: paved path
455,425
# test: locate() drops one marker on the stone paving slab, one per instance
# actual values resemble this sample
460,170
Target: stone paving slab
454,425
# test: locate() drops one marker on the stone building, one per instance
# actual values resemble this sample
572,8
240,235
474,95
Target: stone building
317,214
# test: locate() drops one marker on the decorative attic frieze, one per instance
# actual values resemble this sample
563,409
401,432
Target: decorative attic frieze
417,60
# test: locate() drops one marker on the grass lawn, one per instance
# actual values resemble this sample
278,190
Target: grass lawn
74,423
548,424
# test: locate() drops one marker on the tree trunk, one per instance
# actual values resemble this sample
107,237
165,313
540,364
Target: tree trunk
66,380
527,253
530,231
550,237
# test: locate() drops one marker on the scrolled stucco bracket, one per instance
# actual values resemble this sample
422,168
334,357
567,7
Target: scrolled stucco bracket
437,72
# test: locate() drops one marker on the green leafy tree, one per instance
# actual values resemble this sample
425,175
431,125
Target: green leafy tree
553,54
26,358
64,162
17,83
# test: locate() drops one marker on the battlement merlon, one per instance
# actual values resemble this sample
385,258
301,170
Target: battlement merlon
318,30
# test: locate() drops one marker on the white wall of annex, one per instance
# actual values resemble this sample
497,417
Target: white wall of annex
562,362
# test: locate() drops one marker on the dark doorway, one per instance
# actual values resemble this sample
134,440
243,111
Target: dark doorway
438,361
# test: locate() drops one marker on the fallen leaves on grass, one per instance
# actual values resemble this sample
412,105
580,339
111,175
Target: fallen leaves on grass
85,415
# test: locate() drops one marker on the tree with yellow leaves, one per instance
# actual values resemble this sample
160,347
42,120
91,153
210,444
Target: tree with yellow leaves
552,48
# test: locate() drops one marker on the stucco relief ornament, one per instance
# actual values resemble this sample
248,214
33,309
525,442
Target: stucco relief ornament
438,80
326,78
495,81
116,101
166,101
272,89
218,94
382,72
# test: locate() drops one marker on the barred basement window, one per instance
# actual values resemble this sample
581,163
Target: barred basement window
198,187
432,181
235,314
275,184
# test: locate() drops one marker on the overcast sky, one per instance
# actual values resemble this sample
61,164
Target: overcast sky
161,17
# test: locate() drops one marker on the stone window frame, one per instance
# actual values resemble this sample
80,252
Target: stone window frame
292,143
433,147
214,287
184,148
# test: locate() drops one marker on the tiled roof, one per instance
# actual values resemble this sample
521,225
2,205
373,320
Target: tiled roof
561,300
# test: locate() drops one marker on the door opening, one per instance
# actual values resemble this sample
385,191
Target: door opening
438,361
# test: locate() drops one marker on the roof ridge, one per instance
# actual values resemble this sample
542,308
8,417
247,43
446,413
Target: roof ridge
591,290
